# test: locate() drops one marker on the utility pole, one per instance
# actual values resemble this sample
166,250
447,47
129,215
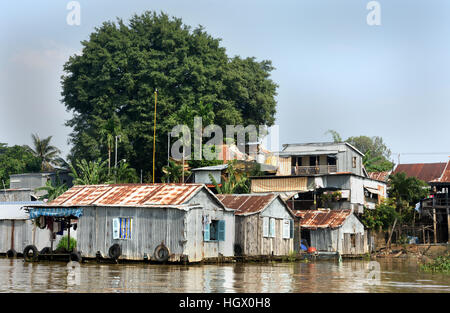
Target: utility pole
154,136
115,162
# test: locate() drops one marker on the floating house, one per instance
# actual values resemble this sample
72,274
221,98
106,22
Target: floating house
264,224
161,222
17,231
333,231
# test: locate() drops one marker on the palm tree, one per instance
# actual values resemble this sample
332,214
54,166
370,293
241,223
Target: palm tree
53,190
108,130
90,173
233,183
172,172
48,154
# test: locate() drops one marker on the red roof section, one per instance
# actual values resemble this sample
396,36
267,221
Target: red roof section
424,171
246,204
127,195
314,219
380,176
445,177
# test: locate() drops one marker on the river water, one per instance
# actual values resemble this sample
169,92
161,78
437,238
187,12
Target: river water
384,275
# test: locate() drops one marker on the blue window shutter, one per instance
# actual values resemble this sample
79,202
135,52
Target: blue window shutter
292,229
206,232
221,231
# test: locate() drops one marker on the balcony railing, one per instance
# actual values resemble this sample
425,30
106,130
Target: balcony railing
311,170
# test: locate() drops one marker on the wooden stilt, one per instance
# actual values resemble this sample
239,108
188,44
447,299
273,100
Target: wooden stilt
434,225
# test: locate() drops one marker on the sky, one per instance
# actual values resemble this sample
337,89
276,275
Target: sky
334,71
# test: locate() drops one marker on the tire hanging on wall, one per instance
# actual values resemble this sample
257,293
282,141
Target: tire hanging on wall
161,253
76,256
45,250
115,251
11,253
34,257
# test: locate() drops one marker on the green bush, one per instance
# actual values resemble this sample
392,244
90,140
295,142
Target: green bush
63,243
439,265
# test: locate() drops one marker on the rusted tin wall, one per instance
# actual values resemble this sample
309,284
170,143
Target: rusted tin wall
249,232
340,239
150,227
196,247
23,235
181,231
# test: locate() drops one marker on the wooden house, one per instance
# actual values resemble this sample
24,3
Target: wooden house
162,222
333,231
17,230
264,224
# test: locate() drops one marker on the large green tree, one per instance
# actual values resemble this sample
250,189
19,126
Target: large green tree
16,160
376,153
122,64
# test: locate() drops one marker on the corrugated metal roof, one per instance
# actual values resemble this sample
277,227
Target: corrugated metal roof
380,176
322,218
219,167
445,177
127,195
424,171
246,204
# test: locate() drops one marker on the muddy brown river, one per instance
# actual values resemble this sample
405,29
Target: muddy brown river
384,275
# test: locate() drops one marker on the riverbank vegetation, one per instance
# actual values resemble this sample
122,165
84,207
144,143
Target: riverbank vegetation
441,264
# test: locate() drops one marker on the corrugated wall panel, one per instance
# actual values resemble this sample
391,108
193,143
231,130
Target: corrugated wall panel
279,184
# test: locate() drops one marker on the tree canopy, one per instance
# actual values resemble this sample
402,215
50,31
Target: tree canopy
376,152
16,160
121,66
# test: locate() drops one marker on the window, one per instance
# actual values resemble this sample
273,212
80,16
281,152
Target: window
265,227
286,229
214,231
272,227
122,227
354,162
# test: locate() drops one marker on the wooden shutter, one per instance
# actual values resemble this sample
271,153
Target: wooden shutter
116,228
265,227
221,231
291,229
206,232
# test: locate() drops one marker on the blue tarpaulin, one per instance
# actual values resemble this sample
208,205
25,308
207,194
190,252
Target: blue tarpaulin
55,212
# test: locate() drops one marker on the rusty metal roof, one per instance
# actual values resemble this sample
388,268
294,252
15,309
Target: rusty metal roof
248,203
423,171
314,219
127,195
380,176
445,177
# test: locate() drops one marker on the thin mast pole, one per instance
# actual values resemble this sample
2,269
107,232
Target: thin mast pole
154,136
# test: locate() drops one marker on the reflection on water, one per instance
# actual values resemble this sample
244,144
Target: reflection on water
322,276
